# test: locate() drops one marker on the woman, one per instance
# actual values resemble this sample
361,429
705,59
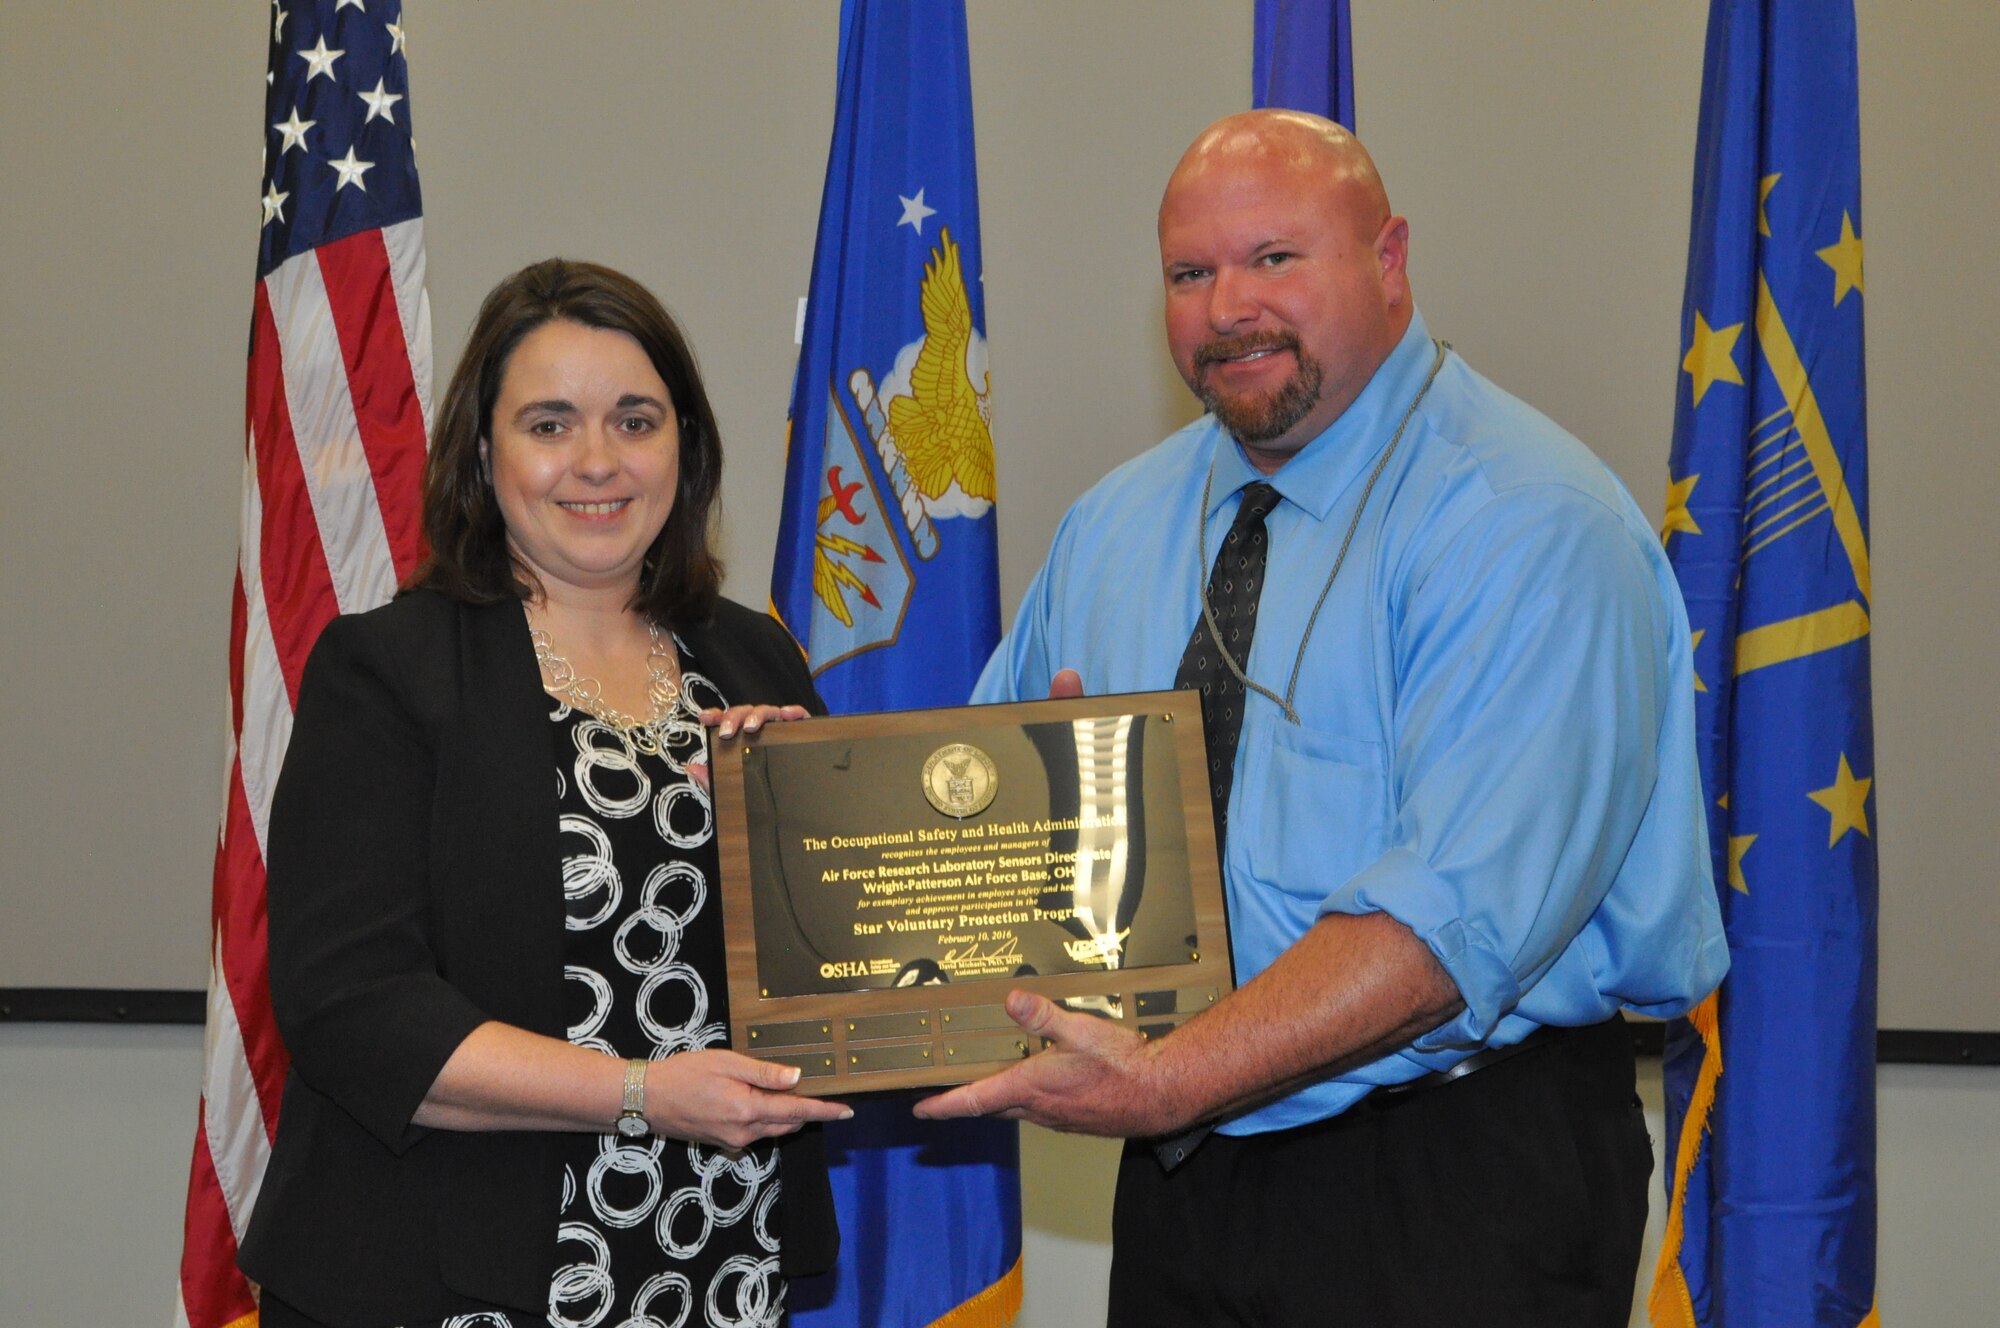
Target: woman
454,951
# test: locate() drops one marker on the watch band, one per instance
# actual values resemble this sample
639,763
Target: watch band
631,1120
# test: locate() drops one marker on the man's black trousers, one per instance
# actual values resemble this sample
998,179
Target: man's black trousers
1514,1195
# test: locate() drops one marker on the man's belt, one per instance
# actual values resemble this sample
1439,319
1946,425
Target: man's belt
1476,1062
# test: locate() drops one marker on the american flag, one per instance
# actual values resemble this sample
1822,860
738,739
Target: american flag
338,397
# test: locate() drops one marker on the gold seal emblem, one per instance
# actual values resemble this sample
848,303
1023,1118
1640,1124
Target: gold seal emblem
960,780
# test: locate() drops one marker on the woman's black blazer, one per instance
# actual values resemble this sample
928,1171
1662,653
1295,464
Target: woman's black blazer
415,887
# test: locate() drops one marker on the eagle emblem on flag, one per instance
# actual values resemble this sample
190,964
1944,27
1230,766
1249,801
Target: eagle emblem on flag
930,426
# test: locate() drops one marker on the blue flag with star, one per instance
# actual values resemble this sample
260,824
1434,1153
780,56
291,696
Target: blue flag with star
1771,1085
887,552
887,572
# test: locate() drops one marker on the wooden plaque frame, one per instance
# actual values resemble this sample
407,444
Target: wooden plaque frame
886,1037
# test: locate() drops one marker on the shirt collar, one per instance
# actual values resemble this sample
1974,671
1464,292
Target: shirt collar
1323,469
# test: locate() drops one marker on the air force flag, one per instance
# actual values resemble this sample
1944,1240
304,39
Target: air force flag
886,566
886,571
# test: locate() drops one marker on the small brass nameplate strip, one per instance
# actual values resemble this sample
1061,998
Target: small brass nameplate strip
797,1033
875,1060
875,1027
810,1065
985,1050
975,1018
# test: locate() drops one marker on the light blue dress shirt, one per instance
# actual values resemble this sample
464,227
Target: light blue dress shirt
1496,739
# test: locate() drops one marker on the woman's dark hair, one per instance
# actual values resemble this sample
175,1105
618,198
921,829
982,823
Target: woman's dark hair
468,558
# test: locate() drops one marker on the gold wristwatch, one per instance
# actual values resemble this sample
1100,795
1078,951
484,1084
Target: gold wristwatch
631,1121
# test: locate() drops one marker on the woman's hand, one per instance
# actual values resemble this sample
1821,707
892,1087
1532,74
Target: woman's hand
506,1078
740,719
728,1101
748,718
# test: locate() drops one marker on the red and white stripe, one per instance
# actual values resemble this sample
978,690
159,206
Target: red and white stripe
338,399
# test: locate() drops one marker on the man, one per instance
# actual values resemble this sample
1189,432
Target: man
1462,825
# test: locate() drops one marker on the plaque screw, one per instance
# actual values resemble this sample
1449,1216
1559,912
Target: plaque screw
753,1035
1195,955
927,1053
951,1051
1167,718
763,991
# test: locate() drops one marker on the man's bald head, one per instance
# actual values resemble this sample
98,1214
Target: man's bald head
1285,276
1321,157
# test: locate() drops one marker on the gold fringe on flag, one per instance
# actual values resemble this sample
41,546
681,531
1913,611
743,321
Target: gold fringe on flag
1671,1305
995,1307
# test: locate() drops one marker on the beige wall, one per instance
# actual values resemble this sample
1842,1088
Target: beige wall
1542,149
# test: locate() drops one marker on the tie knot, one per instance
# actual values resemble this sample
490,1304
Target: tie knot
1258,500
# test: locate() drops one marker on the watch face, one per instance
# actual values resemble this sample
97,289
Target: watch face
633,1127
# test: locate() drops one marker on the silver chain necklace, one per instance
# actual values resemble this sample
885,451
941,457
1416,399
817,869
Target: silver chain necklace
560,679
1284,702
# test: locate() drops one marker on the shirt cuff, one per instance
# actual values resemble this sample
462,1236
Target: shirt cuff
1403,885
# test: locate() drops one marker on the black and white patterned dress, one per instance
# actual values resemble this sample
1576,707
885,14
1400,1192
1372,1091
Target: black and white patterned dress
656,1233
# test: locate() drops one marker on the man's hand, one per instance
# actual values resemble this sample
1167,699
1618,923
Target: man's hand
1351,990
1097,1077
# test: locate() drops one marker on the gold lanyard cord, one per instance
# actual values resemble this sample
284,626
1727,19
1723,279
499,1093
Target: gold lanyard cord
1284,702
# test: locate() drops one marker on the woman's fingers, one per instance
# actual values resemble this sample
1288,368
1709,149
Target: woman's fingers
775,1082
720,1097
768,1075
748,718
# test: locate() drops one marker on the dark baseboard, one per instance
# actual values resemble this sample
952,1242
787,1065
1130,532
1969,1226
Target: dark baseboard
101,1005
1893,1046
115,1005
1936,1046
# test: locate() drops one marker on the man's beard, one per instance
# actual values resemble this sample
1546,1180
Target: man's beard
1260,418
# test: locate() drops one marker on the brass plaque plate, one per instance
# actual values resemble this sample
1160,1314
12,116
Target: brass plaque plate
890,877
799,1033
974,1018
810,1065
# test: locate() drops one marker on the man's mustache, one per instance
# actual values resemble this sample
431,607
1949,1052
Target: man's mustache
1228,348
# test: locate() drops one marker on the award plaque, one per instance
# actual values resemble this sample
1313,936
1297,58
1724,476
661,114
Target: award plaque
888,878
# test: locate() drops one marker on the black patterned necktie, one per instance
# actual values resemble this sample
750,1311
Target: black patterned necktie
1233,587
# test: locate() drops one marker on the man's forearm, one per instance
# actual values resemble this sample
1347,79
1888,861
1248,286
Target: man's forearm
1351,990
